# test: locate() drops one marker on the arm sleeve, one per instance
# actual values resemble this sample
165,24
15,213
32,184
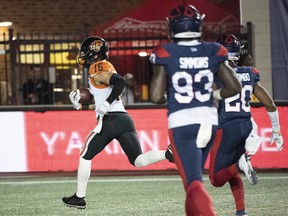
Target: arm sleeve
274,118
118,84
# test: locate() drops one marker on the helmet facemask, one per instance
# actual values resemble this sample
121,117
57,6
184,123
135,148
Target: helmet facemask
81,59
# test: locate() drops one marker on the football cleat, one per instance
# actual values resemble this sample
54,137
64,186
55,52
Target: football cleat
245,166
74,201
241,213
169,154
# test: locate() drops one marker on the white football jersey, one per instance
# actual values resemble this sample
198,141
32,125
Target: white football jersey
102,91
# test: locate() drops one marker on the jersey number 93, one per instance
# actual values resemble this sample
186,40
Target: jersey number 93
185,94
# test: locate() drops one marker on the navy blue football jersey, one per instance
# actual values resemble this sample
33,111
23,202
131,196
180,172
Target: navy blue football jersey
191,69
237,107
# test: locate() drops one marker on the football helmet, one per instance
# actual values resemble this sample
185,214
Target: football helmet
232,44
185,21
92,49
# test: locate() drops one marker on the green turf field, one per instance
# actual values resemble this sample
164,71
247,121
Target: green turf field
135,196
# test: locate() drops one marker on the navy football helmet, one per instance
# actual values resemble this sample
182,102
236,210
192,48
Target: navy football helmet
232,44
92,49
185,21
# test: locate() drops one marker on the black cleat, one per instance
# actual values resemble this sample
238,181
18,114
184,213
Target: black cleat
169,154
74,201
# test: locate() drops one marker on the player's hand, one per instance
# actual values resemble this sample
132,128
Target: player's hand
102,109
74,98
278,139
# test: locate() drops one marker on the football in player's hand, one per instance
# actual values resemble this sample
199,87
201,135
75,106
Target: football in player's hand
86,96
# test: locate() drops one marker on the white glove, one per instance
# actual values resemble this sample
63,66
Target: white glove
74,98
253,141
278,139
102,109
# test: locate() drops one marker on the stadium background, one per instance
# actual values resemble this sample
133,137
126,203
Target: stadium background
42,141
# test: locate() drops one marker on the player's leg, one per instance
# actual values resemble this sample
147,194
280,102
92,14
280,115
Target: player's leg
241,158
226,151
237,189
222,164
198,202
83,174
169,154
213,154
189,160
131,146
94,144
244,165
229,142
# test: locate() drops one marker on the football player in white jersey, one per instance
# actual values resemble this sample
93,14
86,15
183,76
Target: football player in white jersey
113,120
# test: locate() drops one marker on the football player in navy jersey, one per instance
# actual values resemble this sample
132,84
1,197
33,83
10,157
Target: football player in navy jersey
185,69
237,132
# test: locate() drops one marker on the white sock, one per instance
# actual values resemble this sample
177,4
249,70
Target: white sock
83,174
149,157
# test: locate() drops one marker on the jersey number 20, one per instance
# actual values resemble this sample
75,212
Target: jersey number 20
239,102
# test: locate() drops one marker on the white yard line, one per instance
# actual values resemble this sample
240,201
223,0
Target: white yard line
116,179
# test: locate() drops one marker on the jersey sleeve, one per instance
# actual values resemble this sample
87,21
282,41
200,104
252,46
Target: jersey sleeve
100,67
221,53
97,68
159,55
255,74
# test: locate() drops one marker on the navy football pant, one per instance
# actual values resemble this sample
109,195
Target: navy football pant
228,149
190,159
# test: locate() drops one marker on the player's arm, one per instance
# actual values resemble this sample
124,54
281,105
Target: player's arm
264,97
118,84
112,79
158,84
103,77
75,97
230,83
